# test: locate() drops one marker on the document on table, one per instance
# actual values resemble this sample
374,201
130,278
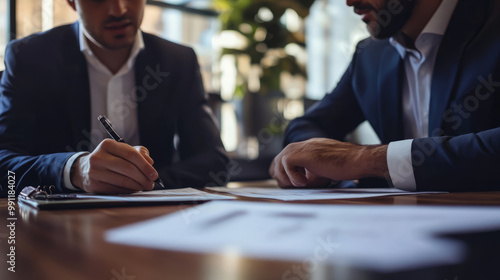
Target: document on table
86,200
312,194
380,238
184,194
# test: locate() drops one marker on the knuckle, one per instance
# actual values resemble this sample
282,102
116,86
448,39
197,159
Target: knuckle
144,150
106,143
285,159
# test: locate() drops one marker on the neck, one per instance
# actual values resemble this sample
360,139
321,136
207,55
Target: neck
112,59
422,14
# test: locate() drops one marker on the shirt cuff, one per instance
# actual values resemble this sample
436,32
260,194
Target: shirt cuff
67,171
400,165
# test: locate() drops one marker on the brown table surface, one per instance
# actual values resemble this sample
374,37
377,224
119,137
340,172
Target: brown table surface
69,244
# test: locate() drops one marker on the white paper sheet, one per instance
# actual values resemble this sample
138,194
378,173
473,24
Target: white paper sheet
312,194
184,194
381,238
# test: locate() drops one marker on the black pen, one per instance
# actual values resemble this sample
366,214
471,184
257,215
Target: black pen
112,132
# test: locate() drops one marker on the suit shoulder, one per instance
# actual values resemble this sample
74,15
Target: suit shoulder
372,46
165,47
43,41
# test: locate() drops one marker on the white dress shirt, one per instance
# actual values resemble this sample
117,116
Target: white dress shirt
112,95
419,67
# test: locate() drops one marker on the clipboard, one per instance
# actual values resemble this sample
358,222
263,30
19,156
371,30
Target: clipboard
43,199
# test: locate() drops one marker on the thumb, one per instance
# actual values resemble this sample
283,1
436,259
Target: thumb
296,174
317,181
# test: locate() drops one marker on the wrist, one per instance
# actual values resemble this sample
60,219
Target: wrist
76,174
373,161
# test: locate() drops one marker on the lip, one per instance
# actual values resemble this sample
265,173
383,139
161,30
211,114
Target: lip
118,26
366,14
362,11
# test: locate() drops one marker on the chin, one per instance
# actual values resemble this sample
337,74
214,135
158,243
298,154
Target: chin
381,33
119,44
374,30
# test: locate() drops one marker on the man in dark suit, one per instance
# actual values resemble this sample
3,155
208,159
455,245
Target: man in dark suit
58,82
428,81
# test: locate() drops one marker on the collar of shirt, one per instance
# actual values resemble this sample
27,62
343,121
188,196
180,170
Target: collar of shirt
436,26
94,61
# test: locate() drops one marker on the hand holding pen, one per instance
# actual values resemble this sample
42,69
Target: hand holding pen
114,168
112,132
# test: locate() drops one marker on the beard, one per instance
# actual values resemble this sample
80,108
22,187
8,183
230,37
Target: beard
391,18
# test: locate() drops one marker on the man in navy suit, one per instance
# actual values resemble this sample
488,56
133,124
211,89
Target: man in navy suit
58,82
428,81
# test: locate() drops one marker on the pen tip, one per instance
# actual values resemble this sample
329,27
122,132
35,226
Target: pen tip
160,183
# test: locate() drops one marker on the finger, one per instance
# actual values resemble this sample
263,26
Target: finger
295,173
127,171
145,153
271,167
131,155
121,181
279,173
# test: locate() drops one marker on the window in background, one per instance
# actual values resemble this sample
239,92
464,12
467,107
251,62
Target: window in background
172,24
42,15
194,30
332,32
4,31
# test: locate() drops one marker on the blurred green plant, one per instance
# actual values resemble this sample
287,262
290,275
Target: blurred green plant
260,23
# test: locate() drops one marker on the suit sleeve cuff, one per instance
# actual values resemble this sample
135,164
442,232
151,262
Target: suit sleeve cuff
67,171
400,165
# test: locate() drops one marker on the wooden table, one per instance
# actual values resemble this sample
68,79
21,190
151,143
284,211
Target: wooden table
69,244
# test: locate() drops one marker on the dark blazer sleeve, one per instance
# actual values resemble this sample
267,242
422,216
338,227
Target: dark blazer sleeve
17,126
337,114
469,162
203,159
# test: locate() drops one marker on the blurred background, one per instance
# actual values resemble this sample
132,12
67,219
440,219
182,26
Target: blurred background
264,62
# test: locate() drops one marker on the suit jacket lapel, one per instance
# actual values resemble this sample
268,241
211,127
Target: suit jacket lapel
78,102
390,70
464,24
151,90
